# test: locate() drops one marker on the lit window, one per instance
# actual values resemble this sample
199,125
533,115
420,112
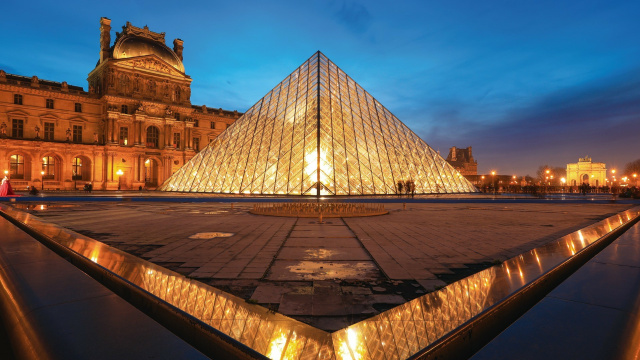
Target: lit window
77,169
48,167
124,135
16,166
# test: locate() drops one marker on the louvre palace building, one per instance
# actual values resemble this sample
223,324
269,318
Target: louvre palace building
134,127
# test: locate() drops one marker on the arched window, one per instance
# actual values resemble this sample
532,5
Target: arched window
153,135
49,167
16,164
77,169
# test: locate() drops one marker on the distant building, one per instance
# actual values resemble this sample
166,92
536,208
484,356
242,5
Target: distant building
586,171
462,160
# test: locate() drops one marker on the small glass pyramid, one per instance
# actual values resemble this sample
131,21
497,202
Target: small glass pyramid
317,133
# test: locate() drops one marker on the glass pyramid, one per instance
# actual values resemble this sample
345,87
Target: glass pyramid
317,133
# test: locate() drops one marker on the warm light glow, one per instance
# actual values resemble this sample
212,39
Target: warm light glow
547,171
311,161
277,345
493,173
514,177
146,162
6,172
563,180
42,173
119,172
613,171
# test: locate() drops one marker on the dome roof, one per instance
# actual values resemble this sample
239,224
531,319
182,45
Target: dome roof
134,46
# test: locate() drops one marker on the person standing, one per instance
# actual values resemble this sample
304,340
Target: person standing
5,187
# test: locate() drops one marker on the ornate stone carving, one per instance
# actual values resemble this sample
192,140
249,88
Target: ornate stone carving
145,32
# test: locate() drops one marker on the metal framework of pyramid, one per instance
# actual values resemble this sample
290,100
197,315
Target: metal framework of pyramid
317,133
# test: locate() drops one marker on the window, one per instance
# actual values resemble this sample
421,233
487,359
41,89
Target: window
49,104
77,133
17,130
153,134
48,131
213,125
196,144
124,135
196,123
48,167
77,169
16,164
17,99
78,107
176,140
177,116
124,109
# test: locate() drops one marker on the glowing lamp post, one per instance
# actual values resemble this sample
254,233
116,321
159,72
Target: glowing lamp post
493,181
563,181
119,173
42,178
635,180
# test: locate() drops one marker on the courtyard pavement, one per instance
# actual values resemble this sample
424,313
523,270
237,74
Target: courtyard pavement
328,274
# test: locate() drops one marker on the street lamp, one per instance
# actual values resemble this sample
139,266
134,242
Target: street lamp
493,181
119,173
42,178
563,180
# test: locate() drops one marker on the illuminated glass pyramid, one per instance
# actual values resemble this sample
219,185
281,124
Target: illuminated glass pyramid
317,133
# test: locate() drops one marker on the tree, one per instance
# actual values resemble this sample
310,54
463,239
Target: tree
555,171
632,168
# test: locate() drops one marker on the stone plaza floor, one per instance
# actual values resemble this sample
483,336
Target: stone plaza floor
332,274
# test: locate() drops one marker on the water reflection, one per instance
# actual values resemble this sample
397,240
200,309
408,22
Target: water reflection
394,334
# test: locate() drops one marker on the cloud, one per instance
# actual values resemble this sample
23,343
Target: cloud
599,118
354,16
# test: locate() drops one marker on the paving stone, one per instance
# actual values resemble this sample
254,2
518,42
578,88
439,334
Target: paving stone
416,245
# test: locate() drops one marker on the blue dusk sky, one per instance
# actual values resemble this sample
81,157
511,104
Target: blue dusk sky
525,83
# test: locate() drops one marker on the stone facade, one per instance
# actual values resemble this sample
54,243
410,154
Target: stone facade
134,127
585,171
463,161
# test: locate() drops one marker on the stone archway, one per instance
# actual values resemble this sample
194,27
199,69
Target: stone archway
584,178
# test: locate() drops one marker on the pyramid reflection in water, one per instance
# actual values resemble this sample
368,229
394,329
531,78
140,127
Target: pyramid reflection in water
317,133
